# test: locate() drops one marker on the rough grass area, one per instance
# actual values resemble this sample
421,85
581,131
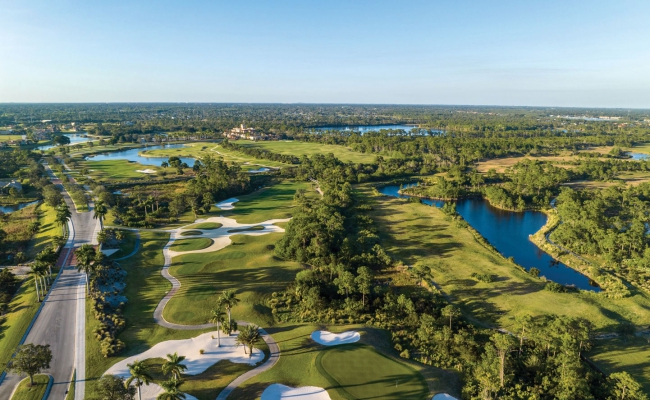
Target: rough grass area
48,230
359,371
191,233
247,266
298,364
413,233
251,229
22,309
205,226
296,148
191,244
36,392
618,355
16,226
145,287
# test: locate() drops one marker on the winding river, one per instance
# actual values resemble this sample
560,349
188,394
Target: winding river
508,232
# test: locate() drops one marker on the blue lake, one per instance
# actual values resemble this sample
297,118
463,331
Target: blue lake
16,207
134,155
74,139
639,156
369,128
508,232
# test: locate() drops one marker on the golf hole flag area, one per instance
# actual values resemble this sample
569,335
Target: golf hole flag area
327,338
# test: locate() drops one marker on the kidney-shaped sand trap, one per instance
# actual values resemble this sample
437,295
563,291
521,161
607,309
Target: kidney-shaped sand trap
443,396
227,204
277,392
327,338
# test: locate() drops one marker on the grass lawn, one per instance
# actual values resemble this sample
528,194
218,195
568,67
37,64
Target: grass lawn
415,233
191,233
359,371
299,364
617,355
117,170
296,148
22,309
48,230
205,226
9,137
247,266
191,244
145,288
250,229
36,392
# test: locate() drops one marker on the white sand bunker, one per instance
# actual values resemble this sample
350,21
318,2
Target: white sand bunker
327,338
146,171
195,361
220,236
227,204
443,396
277,391
257,171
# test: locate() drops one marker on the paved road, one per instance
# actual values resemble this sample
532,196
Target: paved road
57,323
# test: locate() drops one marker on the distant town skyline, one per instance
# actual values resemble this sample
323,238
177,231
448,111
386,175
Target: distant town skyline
502,53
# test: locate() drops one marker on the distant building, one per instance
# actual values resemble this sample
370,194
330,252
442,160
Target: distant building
244,133
5,186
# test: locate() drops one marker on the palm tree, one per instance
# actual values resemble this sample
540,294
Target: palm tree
229,300
63,214
218,318
171,391
100,212
173,366
86,254
35,272
248,336
140,374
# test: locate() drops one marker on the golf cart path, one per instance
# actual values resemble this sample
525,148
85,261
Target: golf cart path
274,349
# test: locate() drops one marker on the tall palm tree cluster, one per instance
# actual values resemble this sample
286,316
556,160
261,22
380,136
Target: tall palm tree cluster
248,335
41,271
173,367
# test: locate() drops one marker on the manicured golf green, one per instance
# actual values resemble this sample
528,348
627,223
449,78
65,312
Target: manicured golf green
191,244
618,355
36,392
117,170
274,202
205,226
360,372
252,228
191,233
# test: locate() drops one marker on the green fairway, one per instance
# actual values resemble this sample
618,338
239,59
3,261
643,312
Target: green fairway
191,233
299,363
618,355
275,202
247,266
251,229
296,148
358,371
126,245
191,244
205,226
415,233
22,309
117,170
36,392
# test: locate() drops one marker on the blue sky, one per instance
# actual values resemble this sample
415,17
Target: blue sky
555,53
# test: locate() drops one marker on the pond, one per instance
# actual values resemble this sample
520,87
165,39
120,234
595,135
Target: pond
133,155
15,207
74,139
639,156
508,232
370,128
